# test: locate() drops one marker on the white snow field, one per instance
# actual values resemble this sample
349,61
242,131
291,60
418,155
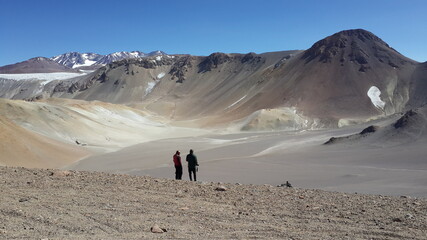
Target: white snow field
42,76
374,94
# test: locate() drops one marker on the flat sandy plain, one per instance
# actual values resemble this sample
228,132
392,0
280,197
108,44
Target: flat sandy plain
386,162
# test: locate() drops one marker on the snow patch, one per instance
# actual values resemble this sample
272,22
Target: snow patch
150,87
42,76
134,54
160,75
235,102
158,58
374,94
86,63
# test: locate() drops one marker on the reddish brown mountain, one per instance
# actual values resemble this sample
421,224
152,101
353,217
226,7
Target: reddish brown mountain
36,65
332,78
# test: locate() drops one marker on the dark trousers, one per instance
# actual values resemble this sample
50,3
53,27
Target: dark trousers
178,172
192,170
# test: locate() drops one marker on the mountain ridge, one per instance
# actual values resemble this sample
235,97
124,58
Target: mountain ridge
95,60
35,65
72,62
327,85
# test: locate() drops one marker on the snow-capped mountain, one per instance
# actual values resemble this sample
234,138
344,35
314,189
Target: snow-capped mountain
112,57
87,60
76,59
156,53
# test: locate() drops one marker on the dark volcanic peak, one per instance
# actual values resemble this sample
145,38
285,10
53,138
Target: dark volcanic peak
359,46
361,34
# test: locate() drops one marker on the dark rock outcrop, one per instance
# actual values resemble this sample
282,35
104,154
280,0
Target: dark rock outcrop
251,58
180,67
363,133
213,61
405,119
370,129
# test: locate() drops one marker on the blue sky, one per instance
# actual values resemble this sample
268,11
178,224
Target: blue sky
46,28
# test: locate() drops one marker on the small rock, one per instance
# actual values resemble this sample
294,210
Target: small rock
397,220
184,208
287,184
301,197
61,173
157,229
221,188
24,200
410,216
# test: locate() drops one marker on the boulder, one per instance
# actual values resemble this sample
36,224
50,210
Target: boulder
157,229
221,188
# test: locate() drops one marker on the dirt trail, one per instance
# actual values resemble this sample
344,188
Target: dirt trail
54,204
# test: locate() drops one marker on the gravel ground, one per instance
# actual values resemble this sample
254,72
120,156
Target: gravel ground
55,204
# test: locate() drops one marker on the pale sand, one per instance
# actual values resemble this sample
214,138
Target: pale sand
21,147
388,162
276,157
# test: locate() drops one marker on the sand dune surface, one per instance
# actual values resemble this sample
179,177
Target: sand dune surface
20,147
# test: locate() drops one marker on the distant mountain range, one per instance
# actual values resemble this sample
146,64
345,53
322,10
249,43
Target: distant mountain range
84,60
346,78
72,61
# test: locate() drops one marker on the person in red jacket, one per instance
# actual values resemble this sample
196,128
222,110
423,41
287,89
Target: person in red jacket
178,165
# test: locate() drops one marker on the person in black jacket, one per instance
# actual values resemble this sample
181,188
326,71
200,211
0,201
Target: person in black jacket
192,164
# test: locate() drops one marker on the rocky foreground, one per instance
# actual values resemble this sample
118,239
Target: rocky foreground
54,204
